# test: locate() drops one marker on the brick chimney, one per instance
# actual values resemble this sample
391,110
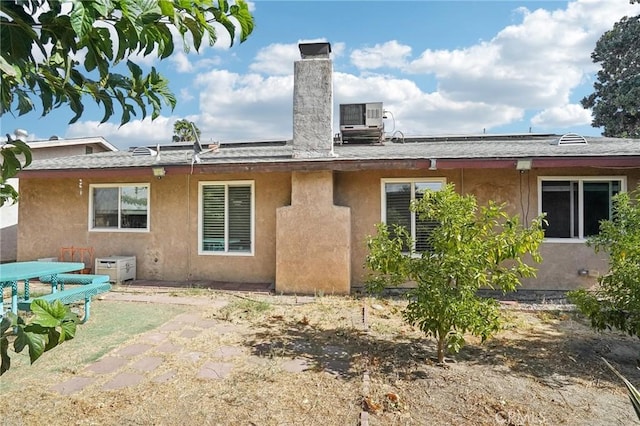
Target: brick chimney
313,102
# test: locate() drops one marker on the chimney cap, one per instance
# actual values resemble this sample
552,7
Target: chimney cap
314,50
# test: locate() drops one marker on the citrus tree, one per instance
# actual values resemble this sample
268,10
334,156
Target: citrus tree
615,303
470,248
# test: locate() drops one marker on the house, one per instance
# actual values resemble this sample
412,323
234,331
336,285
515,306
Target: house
297,213
54,147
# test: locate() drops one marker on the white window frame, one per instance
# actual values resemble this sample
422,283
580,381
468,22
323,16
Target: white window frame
581,180
226,184
119,186
412,181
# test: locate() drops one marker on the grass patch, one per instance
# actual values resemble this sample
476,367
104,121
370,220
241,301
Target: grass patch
244,309
110,325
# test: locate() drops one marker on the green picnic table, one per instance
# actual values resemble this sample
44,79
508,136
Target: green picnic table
12,273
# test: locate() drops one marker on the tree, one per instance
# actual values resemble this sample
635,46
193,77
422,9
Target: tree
16,155
185,130
51,325
470,248
60,56
615,303
615,102
60,53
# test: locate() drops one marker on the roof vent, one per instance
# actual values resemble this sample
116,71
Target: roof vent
143,150
570,139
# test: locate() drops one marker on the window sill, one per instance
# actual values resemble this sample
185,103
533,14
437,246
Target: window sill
565,240
131,230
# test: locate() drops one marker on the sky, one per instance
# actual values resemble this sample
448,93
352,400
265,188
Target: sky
439,67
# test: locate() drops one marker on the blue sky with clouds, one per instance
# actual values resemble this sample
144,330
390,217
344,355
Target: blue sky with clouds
440,67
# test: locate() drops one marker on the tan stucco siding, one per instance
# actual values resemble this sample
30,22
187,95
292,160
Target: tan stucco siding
361,191
313,238
561,261
55,214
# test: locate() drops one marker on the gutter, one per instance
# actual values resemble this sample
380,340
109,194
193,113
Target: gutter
337,165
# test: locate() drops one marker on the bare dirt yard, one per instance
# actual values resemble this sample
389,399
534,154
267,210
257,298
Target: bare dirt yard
215,358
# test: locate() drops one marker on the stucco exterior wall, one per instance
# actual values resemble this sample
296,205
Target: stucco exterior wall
561,261
54,214
313,239
310,227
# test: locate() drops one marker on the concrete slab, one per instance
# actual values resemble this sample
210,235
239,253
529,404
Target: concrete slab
167,348
155,337
133,350
107,365
228,352
123,380
172,326
73,385
149,363
215,370
190,334
206,323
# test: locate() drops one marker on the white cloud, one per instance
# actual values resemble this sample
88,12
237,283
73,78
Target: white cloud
390,54
278,58
134,133
181,62
534,64
565,116
248,107
533,67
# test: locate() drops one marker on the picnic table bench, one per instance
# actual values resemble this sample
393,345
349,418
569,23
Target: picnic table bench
73,294
82,279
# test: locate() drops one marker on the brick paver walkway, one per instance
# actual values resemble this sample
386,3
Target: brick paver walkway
160,355
152,356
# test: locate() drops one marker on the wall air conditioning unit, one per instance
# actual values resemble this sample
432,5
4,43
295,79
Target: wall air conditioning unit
362,123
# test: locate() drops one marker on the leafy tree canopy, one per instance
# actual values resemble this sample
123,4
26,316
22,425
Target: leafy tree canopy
615,102
185,130
471,247
57,52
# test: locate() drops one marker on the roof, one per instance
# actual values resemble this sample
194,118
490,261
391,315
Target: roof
56,142
452,151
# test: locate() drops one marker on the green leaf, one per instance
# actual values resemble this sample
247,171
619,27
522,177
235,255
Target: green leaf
166,7
82,18
4,355
48,314
36,343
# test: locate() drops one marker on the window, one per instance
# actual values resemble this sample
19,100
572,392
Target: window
397,195
119,207
574,207
226,217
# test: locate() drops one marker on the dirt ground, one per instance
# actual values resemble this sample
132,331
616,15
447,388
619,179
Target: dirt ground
544,368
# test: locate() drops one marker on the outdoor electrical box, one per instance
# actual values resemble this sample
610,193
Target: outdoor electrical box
119,268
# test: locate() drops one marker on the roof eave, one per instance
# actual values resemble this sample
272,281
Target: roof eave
340,165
